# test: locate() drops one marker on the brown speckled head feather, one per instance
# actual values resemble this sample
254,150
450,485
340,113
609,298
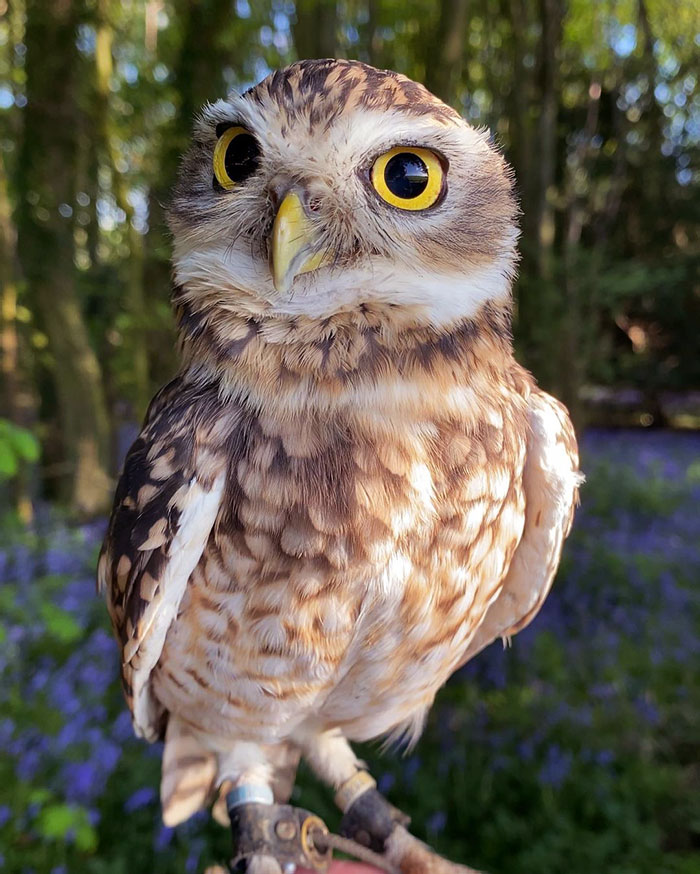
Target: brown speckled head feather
322,89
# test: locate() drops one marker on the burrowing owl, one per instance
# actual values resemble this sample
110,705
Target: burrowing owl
350,487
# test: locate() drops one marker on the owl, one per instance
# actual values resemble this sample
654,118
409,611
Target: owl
351,487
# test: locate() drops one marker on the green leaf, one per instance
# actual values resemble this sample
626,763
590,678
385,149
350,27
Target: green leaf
8,460
85,837
24,444
57,819
60,623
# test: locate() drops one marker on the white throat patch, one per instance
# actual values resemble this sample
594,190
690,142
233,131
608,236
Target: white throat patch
440,298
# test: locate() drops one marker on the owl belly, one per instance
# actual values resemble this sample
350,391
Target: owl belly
250,662
261,661
343,581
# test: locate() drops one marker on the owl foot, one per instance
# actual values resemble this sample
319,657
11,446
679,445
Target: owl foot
257,865
370,820
275,838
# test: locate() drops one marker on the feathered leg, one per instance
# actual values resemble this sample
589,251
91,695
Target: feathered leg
188,775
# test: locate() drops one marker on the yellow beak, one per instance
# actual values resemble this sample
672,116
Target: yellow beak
293,249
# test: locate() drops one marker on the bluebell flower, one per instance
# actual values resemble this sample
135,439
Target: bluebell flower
192,861
121,727
647,710
28,764
556,767
141,798
385,782
163,838
604,757
82,780
436,822
62,561
411,768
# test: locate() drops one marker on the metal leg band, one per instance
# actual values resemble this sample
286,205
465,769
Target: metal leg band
249,793
351,789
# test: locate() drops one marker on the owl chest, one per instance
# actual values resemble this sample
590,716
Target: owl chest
353,571
333,543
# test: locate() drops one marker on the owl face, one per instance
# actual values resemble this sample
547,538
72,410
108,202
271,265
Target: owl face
331,185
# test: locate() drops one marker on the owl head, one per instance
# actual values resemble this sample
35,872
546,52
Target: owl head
331,186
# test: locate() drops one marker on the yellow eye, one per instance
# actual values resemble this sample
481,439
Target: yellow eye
408,177
236,156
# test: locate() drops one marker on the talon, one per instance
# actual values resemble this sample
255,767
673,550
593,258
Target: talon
369,818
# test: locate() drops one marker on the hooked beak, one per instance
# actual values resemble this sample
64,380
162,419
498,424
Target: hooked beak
294,247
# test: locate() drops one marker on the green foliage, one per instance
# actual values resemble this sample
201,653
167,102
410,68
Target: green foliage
16,445
57,821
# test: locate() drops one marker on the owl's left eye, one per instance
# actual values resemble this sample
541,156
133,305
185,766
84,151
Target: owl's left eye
408,178
236,156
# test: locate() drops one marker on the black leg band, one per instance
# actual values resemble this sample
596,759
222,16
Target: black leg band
277,830
370,820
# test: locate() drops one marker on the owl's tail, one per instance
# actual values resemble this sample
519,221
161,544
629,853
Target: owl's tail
188,774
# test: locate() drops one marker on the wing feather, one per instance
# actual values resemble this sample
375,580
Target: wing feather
551,480
164,509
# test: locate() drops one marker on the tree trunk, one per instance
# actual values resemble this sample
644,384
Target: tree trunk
46,171
134,299
444,62
198,78
373,40
576,319
521,129
315,29
551,16
17,401
539,301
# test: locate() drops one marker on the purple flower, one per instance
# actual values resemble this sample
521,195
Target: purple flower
436,822
648,710
141,798
57,561
82,780
121,728
28,765
411,768
556,766
385,782
192,861
163,838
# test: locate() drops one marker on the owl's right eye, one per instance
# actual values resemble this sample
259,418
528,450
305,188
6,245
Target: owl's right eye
409,177
236,156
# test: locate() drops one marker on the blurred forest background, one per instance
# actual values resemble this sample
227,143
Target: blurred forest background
575,751
595,104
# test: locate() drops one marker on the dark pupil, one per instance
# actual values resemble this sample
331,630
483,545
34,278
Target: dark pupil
241,157
406,175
